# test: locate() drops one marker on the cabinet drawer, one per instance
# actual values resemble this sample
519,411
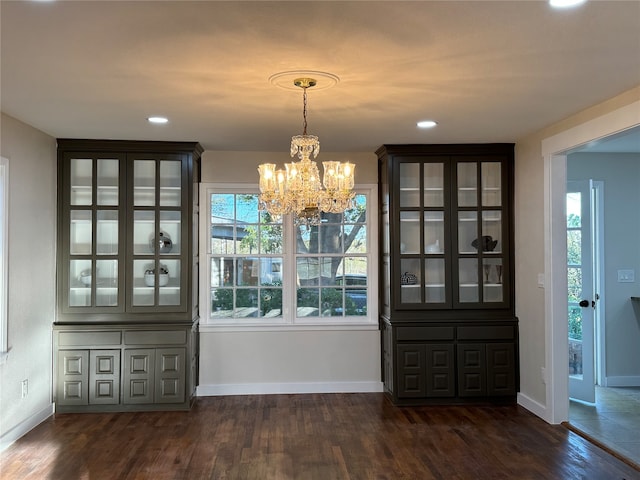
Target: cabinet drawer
87,339
404,334
492,332
155,337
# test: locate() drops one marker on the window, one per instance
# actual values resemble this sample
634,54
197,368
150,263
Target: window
245,261
4,255
262,270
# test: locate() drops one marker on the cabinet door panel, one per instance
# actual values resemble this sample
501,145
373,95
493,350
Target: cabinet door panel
73,377
104,377
170,375
472,379
501,369
139,375
411,371
440,371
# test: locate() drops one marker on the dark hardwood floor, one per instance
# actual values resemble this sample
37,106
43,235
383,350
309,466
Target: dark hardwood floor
308,437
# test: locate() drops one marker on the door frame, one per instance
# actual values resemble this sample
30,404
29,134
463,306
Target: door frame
554,152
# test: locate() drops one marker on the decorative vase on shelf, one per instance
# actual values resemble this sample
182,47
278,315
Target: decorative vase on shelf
162,242
434,247
150,276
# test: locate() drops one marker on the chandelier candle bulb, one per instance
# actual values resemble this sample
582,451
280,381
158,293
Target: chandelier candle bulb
297,188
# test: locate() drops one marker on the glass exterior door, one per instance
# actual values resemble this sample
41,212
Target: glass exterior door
580,294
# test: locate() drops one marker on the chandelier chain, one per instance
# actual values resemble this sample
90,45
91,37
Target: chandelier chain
304,110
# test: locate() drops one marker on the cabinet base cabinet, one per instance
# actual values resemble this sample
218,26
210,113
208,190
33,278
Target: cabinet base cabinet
126,368
438,365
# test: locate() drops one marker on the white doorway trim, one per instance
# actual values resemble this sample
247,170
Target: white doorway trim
555,178
598,264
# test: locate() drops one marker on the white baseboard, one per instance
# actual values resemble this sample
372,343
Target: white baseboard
533,406
623,381
287,388
25,427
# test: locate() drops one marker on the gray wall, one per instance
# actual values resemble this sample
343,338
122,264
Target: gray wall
530,250
286,359
621,176
32,242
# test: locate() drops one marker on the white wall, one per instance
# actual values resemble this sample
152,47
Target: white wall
621,176
32,242
530,229
286,360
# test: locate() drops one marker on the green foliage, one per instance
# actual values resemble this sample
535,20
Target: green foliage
330,303
575,323
573,221
266,299
574,275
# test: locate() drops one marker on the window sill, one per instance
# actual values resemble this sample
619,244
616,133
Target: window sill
255,327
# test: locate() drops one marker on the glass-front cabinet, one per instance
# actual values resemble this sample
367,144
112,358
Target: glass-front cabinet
126,240
447,314
451,237
126,332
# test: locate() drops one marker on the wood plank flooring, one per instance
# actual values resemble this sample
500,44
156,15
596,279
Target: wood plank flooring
308,437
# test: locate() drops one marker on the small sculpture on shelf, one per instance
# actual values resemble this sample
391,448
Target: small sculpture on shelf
162,242
486,243
408,279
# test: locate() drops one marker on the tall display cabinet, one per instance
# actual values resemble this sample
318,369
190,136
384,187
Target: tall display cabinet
126,333
449,331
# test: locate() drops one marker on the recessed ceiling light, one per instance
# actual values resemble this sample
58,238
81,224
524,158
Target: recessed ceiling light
565,3
427,124
158,120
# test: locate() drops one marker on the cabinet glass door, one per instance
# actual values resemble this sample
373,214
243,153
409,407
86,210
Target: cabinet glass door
94,233
480,230
157,233
422,233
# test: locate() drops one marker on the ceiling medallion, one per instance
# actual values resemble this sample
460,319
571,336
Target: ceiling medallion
287,80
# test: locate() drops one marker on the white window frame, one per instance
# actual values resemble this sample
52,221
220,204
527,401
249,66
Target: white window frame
288,320
4,258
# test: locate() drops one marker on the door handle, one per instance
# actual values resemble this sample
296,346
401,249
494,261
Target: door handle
584,303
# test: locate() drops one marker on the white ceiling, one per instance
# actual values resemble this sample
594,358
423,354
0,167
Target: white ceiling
486,71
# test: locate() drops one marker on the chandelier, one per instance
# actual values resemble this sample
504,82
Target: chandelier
297,188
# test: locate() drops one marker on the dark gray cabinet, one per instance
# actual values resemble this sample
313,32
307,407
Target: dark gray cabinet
124,367
127,269
448,325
